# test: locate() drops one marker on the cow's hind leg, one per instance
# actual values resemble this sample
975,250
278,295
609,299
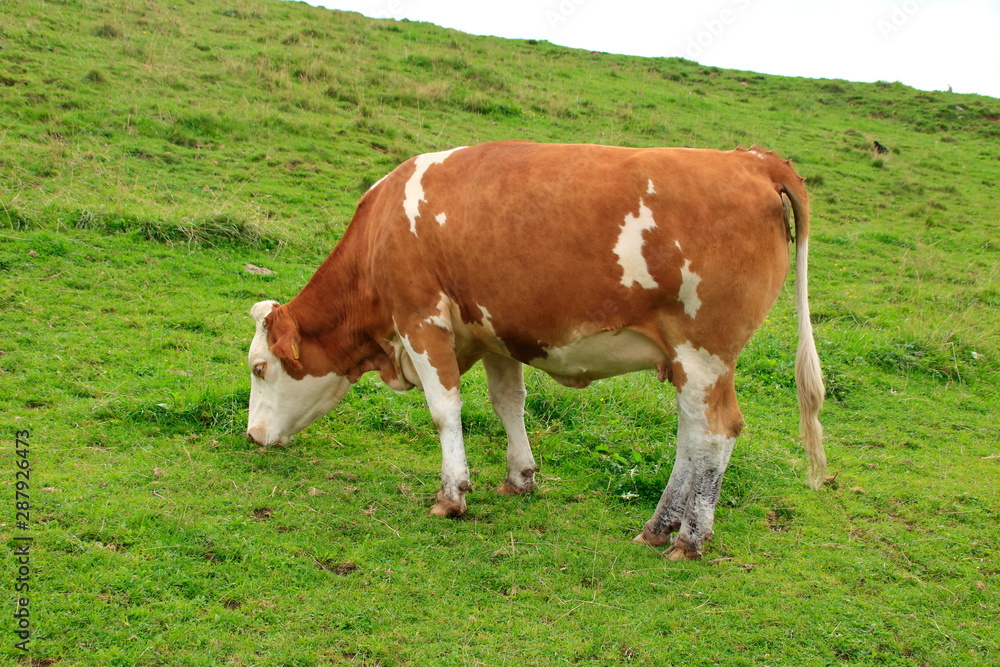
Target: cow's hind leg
709,420
710,449
506,384
670,510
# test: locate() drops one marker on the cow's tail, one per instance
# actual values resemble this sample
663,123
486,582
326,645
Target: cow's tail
808,376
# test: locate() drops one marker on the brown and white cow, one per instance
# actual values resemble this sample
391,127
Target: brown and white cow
583,261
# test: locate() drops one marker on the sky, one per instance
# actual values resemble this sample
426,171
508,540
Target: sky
927,44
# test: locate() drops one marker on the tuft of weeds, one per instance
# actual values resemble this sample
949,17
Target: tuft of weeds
109,31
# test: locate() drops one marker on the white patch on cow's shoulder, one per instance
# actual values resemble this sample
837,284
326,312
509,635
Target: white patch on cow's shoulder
490,337
414,191
487,321
474,337
441,218
689,290
701,368
442,317
629,248
650,190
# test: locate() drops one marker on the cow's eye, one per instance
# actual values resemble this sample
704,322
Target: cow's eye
259,370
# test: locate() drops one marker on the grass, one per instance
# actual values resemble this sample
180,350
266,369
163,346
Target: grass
148,153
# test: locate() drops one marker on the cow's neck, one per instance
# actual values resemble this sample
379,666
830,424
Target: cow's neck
339,309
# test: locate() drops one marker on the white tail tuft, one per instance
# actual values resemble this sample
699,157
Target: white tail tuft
808,376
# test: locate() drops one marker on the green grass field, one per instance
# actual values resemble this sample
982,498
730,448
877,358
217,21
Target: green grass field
149,152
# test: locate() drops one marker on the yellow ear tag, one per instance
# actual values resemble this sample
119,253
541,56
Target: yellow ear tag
295,351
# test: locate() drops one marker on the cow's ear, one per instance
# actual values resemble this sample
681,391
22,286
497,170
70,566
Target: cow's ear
284,332
286,348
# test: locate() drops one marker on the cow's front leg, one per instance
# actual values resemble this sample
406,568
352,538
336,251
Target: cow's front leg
434,362
709,420
505,378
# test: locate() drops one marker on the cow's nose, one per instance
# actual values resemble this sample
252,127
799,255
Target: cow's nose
257,435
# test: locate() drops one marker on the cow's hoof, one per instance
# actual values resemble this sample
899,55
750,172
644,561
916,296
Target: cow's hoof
680,553
526,485
685,550
651,539
509,488
447,510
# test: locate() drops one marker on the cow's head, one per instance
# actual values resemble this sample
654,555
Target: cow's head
289,388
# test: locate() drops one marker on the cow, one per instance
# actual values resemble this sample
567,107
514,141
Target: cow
584,261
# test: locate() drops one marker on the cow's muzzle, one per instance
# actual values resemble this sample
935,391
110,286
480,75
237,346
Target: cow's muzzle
258,435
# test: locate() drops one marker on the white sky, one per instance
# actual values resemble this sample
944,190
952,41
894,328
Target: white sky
927,44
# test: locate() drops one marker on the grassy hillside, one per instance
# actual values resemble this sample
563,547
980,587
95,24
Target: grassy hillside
149,152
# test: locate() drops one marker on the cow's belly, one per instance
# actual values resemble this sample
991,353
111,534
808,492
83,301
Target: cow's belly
598,356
